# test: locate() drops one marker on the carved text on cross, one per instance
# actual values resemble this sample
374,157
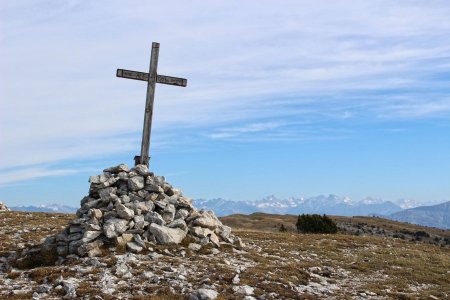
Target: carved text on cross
151,77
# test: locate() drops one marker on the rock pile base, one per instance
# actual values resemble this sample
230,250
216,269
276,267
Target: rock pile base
131,209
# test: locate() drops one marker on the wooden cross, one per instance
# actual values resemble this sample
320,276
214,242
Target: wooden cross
151,77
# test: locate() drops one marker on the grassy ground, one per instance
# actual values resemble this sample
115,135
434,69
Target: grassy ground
277,265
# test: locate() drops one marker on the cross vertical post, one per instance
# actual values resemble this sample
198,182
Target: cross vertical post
145,146
152,77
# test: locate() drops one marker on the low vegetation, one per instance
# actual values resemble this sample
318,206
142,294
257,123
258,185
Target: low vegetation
278,265
315,224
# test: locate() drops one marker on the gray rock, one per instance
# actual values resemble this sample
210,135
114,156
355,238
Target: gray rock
107,194
238,242
89,202
91,235
113,227
153,188
236,279
160,180
142,170
124,199
122,189
91,249
154,217
62,250
201,232
178,223
109,182
107,282
139,222
168,213
182,214
136,183
44,288
62,237
95,213
164,235
206,221
124,212
117,169
168,190
138,240
194,246
214,239
122,175
172,200
134,247
75,236
203,294
160,204
70,286
243,290
74,245
91,226
75,228
98,179
184,202
141,207
143,194
134,197
223,231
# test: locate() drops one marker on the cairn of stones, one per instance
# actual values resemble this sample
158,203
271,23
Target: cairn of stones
3,207
133,208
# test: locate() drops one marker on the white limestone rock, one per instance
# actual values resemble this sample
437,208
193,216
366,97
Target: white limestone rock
164,235
168,213
124,212
117,169
154,217
142,170
203,294
134,247
114,227
136,183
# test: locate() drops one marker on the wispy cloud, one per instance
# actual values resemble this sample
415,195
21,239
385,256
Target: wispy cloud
315,61
32,173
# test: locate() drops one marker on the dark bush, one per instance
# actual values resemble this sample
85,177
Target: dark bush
422,233
315,224
283,228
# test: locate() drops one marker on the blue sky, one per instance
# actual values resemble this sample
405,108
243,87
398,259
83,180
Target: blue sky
292,98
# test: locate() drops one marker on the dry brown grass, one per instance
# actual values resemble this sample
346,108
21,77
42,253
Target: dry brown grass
271,222
403,263
391,268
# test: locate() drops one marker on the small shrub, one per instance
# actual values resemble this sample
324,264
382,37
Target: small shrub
421,233
315,224
283,228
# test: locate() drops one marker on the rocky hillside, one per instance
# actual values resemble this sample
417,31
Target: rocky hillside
433,216
271,265
360,226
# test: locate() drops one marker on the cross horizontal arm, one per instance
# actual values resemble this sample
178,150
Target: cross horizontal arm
132,74
171,80
144,77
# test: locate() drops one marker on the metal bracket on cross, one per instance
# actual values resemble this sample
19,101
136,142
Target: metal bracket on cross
151,77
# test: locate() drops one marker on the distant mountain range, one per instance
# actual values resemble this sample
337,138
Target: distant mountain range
331,205
53,208
433,215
